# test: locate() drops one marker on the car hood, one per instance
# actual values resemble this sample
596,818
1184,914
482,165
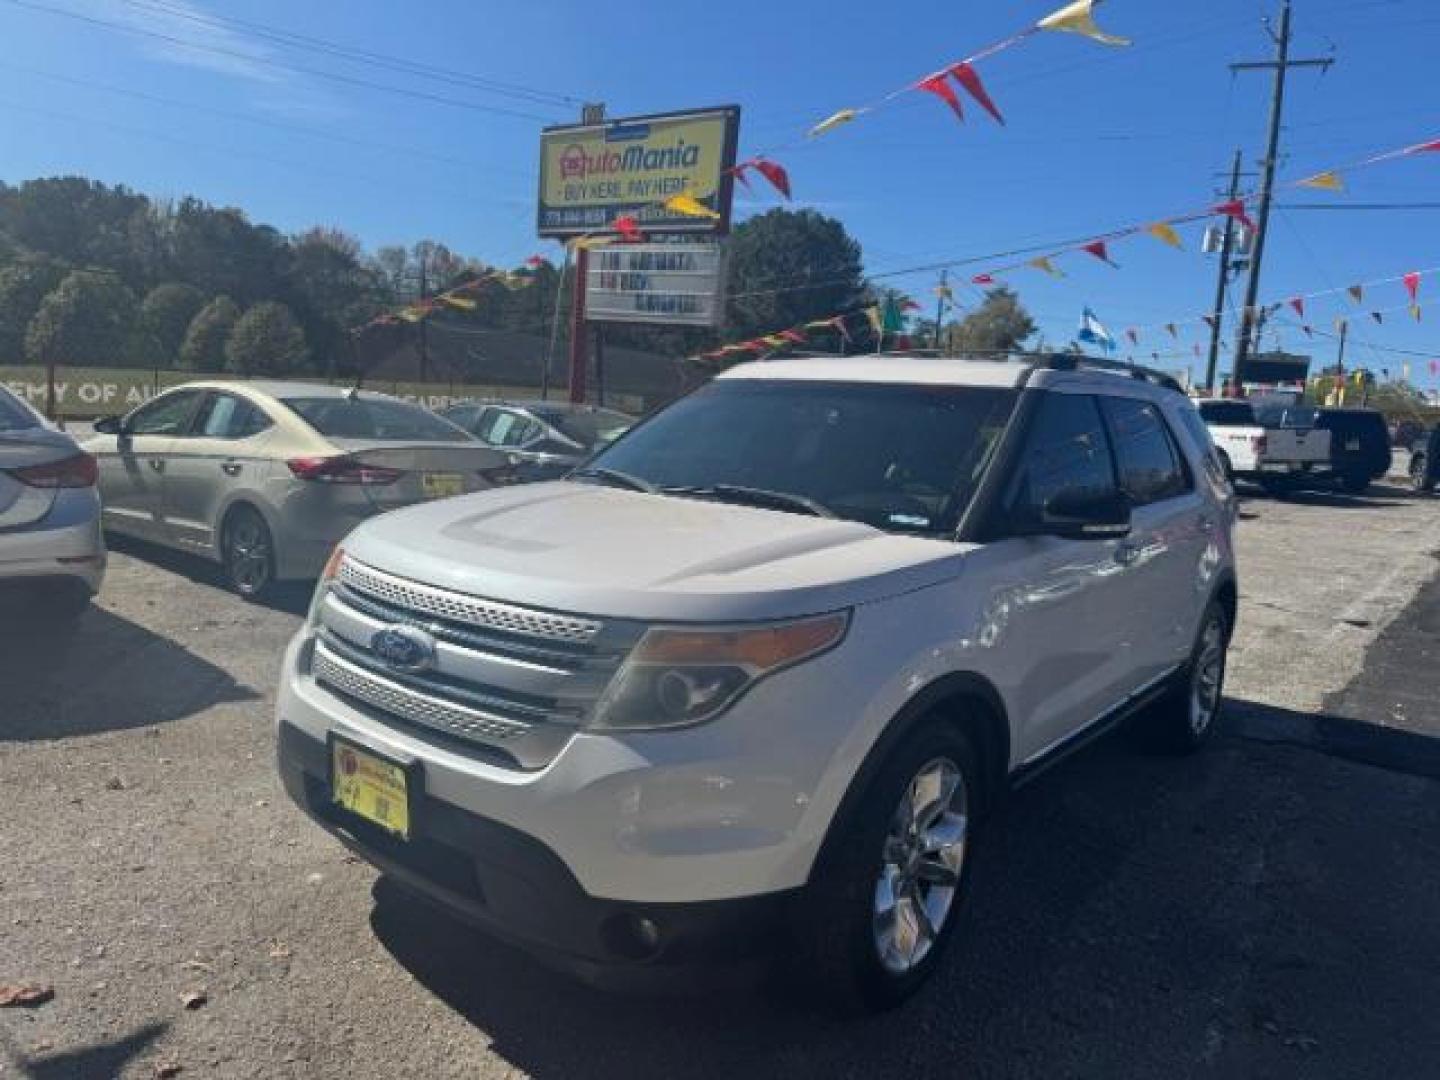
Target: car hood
603,551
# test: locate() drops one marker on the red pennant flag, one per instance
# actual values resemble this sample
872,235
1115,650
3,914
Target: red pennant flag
1412,285
1210,321
739,173
1100,251
536,261
909,305
941,88
982,279
1298,303
1435,367
628,228
1236,209
793,335
775,173
1429,147
965,75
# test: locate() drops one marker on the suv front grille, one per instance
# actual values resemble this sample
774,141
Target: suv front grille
514,679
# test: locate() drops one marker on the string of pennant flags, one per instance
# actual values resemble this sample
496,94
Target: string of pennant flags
463,297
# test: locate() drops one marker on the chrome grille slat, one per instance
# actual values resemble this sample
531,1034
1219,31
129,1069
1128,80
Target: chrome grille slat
422,709
463,608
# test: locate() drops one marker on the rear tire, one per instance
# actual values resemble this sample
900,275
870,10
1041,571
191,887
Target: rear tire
1277,487
1355,483
1186,716
247,552
876,919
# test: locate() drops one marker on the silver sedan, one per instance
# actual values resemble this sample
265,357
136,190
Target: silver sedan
51,548
267,477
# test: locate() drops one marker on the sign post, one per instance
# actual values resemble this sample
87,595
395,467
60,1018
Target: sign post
578,336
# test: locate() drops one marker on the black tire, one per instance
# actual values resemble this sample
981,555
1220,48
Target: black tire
1183,720
1277,487
247,553
837,920
1418,478
1355,483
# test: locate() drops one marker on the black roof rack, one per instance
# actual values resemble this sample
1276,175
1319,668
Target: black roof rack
1076,362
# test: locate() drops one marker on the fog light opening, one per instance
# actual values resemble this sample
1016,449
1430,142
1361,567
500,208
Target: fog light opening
632,936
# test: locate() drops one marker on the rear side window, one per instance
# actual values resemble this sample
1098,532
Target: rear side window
1068,450
1191,421
464,415
374,418
225,416
14,416
1145,452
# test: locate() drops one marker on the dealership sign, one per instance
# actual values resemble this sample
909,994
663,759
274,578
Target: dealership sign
680,283
591,174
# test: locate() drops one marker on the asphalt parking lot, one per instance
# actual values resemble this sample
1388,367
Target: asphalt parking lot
1263,909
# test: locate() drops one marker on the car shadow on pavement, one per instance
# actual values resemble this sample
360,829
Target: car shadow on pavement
100,672
291,597
1129,915
101,1061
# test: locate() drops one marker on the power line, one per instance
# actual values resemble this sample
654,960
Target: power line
349,80
291,39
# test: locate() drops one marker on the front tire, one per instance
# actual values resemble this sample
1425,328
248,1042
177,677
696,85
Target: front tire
247,552
1188,714
1355,483
880,912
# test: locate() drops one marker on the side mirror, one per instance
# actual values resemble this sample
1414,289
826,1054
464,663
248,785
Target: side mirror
109,425
1081,515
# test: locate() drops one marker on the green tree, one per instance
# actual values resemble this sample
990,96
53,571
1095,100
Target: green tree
789,267
23,285
165,317
203,348
86,321
266,341
1000,324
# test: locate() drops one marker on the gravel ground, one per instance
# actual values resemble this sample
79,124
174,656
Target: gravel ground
1261,909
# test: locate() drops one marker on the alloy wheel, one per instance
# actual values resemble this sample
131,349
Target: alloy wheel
248,553
1208,677
923,855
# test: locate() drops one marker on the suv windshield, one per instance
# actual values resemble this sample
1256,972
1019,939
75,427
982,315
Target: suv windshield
14,416
374,418
900,458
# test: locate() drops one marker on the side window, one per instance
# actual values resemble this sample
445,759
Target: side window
1067,450
494,425
224,416
465,416
1194,423
1149,463
168,414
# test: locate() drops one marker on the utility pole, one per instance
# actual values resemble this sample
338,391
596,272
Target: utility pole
424,317
1340,363
592,114
1226,247
940,306
1281,65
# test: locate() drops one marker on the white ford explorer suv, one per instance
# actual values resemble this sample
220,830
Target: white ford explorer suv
748,680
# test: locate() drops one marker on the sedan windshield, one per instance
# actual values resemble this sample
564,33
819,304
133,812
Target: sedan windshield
374,418
590,428
900,458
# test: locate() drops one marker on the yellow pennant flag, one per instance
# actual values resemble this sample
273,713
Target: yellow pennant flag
411,314
1415,312
1046,266
690,206
775,340
1165,233
461,303
1079,18
877,319
589,243
830,123
1325,181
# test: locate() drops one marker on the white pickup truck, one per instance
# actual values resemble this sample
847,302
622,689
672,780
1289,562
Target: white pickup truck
1267,446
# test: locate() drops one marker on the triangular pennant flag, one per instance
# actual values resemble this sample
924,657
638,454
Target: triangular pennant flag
1235,208
1044,265
1195,349
628,228
983,279
1378,317
818,324
944,292
1211,321
940,86
793,336
1341,325
1134,336
1435,367
966,76
1298,303
459,303
1308,331
876,319
689,206
1325,181
1412,285
1174,330
1079,18
909,305
838,322
774,172
739,172
536,261
1421,148
1357,293
775,340
1165,233
1099,249
831,122
1415,312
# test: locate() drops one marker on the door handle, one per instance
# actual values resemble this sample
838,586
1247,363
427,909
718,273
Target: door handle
230,468
157,464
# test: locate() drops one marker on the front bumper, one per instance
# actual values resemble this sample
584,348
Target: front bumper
515,887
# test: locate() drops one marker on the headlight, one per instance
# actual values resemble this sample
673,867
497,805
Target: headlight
678,676
322,587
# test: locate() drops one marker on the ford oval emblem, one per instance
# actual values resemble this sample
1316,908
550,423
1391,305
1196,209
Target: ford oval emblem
404,648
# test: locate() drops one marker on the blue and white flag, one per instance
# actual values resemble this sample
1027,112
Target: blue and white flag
1093,332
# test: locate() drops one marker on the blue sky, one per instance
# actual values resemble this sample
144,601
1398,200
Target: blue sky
1097,138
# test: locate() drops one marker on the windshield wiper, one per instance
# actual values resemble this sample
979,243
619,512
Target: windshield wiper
749,496
616,478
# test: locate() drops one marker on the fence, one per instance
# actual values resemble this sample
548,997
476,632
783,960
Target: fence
84,393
